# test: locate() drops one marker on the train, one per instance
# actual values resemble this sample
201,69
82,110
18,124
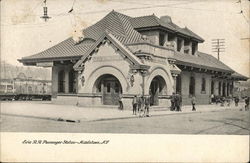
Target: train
25,88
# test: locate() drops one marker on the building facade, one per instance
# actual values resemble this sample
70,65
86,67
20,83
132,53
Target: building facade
133,56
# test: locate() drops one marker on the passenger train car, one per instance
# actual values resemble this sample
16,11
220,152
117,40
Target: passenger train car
25,88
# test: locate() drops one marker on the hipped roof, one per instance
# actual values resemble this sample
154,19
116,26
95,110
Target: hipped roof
122,27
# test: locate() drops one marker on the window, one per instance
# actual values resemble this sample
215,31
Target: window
212,87
178,83
219,88
99,87
203,85
116,88
72,81
108,87
194,47
179,44
192,86
161,39
61,81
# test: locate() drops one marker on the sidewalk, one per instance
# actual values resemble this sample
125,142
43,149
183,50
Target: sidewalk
80,114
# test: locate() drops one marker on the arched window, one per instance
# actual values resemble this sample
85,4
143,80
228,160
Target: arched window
192,86
178,84
61,81
203,85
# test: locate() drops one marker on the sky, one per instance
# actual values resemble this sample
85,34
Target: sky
24,33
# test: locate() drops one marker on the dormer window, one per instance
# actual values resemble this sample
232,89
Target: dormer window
194,47
161,39
179,44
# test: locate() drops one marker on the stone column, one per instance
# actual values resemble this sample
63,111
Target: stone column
174,86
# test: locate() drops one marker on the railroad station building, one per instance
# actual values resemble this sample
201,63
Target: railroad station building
133,56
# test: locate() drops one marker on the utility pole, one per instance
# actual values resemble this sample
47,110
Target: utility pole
218,46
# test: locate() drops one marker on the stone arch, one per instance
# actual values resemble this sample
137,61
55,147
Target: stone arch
159,71
102,70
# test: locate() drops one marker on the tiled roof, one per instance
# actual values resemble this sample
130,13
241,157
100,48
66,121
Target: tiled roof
201,60
66,48
117,24
239,76
153,21
149,21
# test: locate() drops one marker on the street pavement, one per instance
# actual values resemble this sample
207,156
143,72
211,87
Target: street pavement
47,110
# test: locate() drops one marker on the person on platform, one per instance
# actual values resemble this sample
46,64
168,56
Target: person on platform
138,103
212,99
134,104
193,102
178,101
247,103
141,110
172,99
147,103
236,100
120,102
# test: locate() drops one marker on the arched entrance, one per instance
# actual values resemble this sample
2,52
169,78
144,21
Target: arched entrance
157,87
109,87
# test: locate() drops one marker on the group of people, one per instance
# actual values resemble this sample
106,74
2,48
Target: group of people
226,101
141,105
176,102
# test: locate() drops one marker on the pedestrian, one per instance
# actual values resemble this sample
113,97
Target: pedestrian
222,101
141,110
138,103
178,101
193,102
228,101
147,103
247,103
120,102
212,98
172,99
236,100
134,104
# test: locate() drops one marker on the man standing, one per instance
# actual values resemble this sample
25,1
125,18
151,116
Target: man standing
236,100
247,103
141,109
134,103
120,102
193,102
178,101
172,99
147,103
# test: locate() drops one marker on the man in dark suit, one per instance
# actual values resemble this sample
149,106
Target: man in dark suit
178,101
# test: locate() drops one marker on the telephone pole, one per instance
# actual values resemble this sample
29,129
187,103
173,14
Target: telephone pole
218,46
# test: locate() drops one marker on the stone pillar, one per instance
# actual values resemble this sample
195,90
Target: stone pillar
54,83
174,86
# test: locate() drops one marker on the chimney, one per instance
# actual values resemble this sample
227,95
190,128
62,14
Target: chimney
166,19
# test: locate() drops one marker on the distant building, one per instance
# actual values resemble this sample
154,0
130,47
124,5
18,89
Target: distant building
133,56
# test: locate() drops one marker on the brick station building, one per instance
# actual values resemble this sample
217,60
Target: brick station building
133,56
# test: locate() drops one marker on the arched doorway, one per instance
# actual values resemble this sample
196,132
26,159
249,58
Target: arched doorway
109,87
157,87
61,81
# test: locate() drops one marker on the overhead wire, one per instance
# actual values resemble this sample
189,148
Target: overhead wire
175,5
